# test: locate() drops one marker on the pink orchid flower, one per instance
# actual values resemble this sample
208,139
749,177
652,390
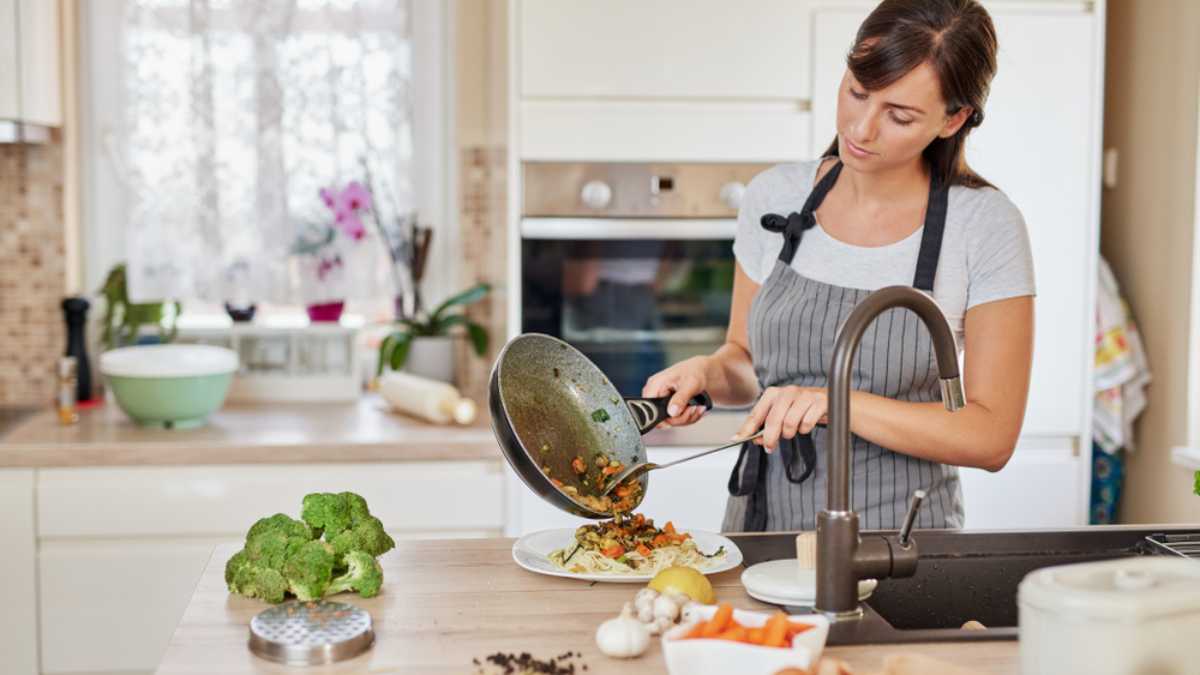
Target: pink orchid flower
356,197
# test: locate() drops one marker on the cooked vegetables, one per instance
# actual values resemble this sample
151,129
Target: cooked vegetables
283,555
600,415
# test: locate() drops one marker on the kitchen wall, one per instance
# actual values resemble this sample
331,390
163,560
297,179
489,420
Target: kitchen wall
1148,226
32,271
481,76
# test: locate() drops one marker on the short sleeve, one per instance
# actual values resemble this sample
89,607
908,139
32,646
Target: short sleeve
999,257
754,248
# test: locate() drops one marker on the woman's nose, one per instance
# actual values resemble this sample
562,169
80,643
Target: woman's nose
865,127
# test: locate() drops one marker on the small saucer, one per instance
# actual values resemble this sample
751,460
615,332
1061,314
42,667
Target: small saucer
782,582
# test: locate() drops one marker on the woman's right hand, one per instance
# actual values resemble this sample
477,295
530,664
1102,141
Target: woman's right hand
681,381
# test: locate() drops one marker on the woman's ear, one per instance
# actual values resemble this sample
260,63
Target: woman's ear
956,121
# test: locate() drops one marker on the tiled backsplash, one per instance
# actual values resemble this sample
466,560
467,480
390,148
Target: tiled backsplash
484,242
32,271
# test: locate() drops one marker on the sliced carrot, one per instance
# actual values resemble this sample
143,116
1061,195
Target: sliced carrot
719,621
610,470
735,633
613,551
795,628
754,636
669,528
641,548
775,630
660,540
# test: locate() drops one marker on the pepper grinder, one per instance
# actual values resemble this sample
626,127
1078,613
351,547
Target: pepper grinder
75,312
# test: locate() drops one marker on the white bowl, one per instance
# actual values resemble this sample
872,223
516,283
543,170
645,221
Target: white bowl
700,656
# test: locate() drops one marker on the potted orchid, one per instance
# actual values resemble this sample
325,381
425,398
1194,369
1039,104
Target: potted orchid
322,250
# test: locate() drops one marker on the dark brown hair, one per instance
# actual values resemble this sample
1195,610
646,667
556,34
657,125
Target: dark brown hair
957,39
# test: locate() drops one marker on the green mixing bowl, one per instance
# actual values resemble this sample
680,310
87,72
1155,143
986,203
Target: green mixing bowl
172,386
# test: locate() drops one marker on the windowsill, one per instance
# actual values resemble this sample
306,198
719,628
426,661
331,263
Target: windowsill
1186,456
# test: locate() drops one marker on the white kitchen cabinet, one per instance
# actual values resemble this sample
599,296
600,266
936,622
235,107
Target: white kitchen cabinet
614,131
1043,155
121,549
641,49
1040,487
18,584
30,64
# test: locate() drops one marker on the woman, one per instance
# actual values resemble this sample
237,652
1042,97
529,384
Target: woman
891,202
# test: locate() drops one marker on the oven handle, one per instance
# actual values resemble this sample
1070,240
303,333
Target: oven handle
699,229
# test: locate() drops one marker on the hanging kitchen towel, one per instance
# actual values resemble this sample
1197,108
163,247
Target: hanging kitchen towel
1122,371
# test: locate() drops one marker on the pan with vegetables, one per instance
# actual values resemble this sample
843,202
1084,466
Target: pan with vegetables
565,429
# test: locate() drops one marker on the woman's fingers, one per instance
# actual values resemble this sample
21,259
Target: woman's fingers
758,413
815,414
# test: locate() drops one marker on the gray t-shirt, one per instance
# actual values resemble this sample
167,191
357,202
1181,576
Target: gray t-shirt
985,248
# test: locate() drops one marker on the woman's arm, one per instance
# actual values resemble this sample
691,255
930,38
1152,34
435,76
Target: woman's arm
999,357
727,374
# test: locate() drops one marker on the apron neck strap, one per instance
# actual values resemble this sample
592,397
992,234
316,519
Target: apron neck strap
931,238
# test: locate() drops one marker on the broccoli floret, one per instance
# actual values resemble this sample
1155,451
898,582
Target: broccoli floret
309,570
279,521
364,575
326,512
253,581
358,508
271,549
236,562
367,536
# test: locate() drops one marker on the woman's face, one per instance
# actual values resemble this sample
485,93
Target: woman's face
890,127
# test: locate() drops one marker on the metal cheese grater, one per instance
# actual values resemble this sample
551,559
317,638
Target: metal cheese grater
311,633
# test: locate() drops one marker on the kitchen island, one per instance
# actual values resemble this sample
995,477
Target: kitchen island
446,603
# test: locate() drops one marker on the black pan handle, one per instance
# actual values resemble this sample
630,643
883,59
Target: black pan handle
648,412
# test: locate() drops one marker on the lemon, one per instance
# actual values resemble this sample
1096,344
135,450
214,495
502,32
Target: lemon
684,580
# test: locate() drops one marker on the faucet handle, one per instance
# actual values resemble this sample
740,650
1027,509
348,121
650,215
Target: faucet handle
911,517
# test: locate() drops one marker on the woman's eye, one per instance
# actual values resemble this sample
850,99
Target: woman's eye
860,95
901,121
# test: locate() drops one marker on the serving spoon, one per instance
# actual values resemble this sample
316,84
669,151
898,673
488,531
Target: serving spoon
642,467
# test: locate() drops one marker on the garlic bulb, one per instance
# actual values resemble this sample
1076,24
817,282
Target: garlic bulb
665,608
660,625
623,637
645,613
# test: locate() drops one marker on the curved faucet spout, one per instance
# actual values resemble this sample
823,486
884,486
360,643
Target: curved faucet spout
849,336
842,556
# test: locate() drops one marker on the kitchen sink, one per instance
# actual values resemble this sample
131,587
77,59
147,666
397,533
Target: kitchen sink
971,576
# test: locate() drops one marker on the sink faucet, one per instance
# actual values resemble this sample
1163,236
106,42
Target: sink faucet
842,556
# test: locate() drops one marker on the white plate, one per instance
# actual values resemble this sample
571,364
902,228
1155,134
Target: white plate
782,582
533,550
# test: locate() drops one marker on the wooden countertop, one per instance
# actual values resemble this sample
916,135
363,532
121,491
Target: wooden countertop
359,431
447,602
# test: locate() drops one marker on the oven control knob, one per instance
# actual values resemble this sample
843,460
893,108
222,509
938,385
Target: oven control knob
732,193
596,194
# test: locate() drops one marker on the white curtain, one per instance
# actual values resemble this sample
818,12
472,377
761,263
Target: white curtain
236,114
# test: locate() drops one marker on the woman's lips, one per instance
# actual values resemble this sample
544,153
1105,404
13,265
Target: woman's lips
856,150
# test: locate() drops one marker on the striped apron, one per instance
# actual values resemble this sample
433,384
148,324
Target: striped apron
793,324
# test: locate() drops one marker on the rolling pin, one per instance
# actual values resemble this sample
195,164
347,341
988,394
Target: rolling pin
435,401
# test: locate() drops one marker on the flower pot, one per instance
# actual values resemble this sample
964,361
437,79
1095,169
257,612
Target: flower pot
325,311
431,357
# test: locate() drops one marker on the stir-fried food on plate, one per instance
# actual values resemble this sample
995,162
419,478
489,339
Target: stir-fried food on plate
631,544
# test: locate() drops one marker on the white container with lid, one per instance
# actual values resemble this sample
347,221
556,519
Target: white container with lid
1125,616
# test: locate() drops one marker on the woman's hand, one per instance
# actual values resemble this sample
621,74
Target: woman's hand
784,412
681,381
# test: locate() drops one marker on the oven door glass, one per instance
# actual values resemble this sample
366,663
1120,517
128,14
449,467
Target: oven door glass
632,306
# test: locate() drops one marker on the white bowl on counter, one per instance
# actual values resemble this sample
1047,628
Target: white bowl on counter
700,656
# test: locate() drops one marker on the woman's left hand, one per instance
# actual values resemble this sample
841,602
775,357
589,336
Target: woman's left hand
784,412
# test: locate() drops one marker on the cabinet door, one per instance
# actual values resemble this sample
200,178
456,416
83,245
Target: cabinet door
9,78
41,98
1040,488
113,605
690,49
18,574
1038,144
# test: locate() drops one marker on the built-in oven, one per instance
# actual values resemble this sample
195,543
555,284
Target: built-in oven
631,263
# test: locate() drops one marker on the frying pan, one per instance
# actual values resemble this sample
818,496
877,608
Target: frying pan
550,404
